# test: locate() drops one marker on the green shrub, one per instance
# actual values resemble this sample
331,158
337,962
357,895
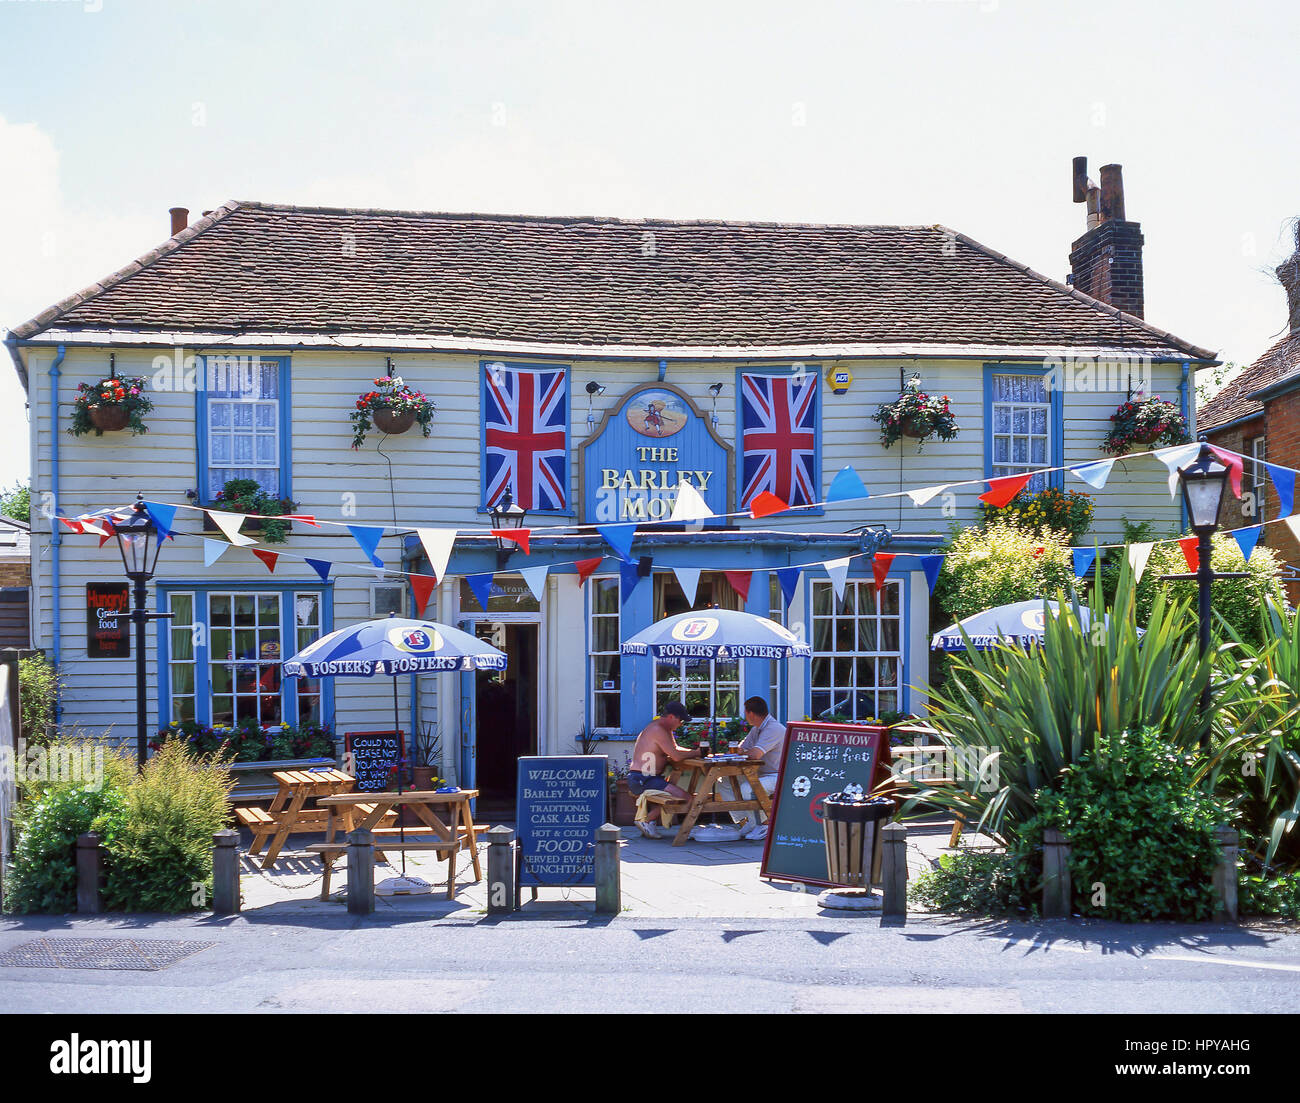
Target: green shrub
1279,896
164,848
1140,830
1018,717
977,882
43,875
998,565
38,692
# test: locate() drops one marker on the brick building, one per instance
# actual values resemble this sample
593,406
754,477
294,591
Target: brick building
1258,415
15,582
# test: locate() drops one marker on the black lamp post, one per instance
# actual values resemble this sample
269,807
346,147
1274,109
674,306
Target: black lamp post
139,541
506,514
1202,483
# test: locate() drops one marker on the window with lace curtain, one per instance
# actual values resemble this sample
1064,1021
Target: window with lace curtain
707,687
243,422
1021,427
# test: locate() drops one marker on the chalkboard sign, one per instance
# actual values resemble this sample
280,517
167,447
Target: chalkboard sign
561,802
373,757
108,623
817,761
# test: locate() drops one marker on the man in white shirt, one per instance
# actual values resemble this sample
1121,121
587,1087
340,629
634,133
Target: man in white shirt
764,742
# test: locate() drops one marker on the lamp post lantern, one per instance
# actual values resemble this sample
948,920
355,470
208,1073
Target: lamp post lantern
139,541
1202,483
506,514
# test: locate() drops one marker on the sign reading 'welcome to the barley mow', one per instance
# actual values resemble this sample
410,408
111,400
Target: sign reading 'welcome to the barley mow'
651,441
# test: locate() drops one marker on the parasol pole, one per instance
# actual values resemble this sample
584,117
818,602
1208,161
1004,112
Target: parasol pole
401,769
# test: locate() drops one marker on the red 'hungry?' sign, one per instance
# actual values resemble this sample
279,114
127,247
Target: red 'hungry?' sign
108,620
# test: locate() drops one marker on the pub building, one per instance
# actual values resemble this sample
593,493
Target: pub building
583,370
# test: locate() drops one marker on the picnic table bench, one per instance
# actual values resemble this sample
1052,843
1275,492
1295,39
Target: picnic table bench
705,775
329,853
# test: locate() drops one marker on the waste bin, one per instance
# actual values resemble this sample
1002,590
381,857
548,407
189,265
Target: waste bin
853,838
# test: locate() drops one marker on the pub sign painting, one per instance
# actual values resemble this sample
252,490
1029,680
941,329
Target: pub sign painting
650,441
108,620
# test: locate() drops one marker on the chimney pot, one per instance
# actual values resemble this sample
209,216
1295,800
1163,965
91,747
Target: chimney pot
1080,179
1112,193
180,219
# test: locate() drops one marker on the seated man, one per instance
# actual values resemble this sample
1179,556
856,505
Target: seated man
764,742
654,748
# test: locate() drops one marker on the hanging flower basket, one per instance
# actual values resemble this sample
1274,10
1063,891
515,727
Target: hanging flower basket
110,405
392,422
247,496
392,408
1143,422
916,415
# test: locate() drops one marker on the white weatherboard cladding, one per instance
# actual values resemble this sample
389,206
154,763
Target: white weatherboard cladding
436,482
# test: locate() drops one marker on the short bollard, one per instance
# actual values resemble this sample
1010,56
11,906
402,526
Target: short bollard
609,891
893,871
1056,875
361,872
501,870
225,873
1225,875
89,871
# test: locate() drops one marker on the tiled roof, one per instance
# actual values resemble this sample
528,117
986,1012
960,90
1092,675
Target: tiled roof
592,282
1233,402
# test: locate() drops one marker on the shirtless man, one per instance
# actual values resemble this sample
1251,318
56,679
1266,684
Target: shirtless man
654,748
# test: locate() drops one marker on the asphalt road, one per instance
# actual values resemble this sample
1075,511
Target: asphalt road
569,962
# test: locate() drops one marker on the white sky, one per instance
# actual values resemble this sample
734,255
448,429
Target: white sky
965,112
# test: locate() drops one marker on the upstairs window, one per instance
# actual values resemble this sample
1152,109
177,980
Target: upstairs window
243,423
1023,427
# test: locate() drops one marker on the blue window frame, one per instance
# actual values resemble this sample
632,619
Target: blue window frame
1024,424
812,372
258,625
244,423
552,467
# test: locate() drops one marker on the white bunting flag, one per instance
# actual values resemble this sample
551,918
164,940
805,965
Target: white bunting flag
91,526
1293,523
1174,458
689,505
536,579
688,578
838,569
925,493
212,551
437,546
1138,554
229,524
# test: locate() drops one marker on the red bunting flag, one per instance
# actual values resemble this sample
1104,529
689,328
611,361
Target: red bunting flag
880,568
1002,490
587,567
1233,464
305,518
1190,552
740,582
109,533
766,504
515,536
267,557
75,526
422,585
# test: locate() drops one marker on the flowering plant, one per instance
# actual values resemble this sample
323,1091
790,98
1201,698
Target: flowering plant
247,496
249,741
392,395
914,413
1066,511
124,393
1141,421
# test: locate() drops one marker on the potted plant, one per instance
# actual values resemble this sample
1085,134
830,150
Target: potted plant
247,496
917,415
392,407
622,804
426,754
1142,422
1050,510
110,405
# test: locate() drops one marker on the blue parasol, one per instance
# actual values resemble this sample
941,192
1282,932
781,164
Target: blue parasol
717,634
393,646
1022,622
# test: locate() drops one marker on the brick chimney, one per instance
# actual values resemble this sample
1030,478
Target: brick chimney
180,219
1106,262
1288,274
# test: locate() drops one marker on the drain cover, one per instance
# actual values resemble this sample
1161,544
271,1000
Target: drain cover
100,953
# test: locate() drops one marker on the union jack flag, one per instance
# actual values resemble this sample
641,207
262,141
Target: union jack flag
778,418
525,416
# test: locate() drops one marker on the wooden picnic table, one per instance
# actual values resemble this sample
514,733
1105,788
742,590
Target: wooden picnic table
287,815
350,811
703,775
